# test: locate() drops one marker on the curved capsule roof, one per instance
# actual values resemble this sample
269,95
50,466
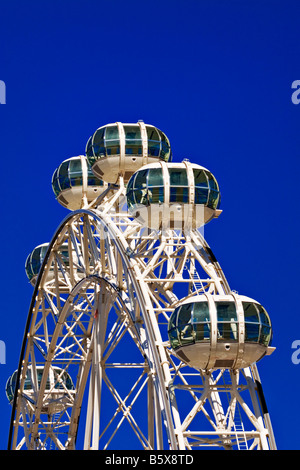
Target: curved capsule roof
128,147
211,331
74,183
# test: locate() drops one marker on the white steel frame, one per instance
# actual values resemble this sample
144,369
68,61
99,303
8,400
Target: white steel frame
103,311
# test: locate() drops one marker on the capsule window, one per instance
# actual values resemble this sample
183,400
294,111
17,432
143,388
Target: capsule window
179,191
98,143
185,328
36,260
200,178
153,141
133,140
112,140
140,179
155,177
227,321
156,195
165,153
178,177
75,172
178,194
63,175
213,199
201,196
173,336
257,324
92,180
212,182
266,331
55,183
89,148
201,321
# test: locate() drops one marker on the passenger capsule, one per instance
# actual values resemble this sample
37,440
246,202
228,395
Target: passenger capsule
34,262
214,331
121,149
173,195
59,386
74,184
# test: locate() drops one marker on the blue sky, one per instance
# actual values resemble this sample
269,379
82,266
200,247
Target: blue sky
216,77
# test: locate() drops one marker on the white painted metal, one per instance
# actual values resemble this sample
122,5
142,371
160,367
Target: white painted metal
103,315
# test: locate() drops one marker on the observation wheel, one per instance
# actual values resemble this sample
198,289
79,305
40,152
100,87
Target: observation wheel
134,339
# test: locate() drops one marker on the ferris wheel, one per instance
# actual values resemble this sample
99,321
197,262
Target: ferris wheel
134,338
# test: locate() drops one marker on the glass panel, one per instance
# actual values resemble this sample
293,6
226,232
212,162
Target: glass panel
201,321
155,177
165,147
130,198
75,172
130,184
153,149
153,141
187,335
93,180
27,384
43,252
213,199
140,179
132,133
264,317
178,194
55,184
112,141
111,133
152,134
172,320
227,331
132,149
265,335
226,311
133,140
201,312
200,178
174,338
75,166
178,177
212,181
201,196
252,332
156,195
98,142
28,268
89,148
202,331
36,260
250,312
227,321
139,196
112,147
64,180
184,314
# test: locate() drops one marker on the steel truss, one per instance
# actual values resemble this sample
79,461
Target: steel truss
99,311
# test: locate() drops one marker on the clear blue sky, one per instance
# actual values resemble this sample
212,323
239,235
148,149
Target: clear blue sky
216,77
